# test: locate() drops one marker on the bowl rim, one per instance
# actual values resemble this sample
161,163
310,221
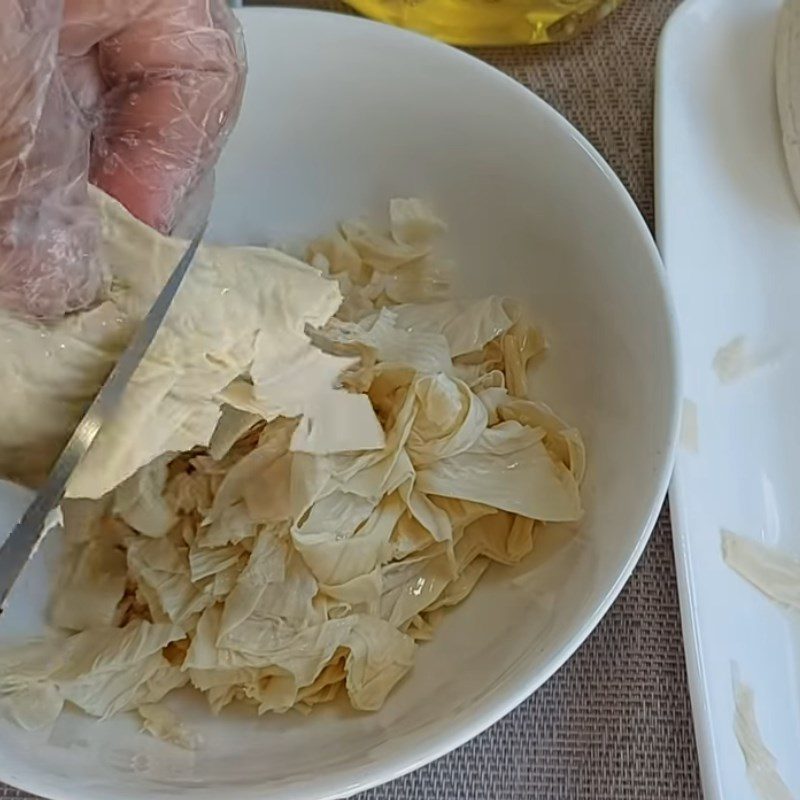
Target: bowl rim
489,709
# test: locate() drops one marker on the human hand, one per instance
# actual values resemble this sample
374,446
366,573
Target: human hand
136,95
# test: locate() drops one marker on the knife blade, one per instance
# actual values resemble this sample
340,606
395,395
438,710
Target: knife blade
28,533
787,85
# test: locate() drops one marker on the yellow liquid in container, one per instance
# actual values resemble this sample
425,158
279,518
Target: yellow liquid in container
490,22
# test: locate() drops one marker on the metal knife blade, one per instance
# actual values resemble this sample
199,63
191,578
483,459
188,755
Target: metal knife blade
787,85
26,536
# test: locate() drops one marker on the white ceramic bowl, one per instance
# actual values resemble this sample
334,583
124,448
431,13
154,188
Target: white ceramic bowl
340,115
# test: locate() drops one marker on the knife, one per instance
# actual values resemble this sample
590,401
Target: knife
787,85
28,533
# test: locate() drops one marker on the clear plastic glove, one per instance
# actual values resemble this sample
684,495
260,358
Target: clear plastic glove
137,96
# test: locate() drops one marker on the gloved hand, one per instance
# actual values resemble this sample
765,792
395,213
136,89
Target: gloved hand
137,96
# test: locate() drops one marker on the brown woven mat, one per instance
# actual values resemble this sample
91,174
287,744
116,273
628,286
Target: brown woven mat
615,722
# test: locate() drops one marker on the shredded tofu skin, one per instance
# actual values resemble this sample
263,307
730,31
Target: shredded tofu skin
313,482
761,765
164,724
773,572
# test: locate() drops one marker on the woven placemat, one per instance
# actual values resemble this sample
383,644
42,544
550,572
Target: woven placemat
615,722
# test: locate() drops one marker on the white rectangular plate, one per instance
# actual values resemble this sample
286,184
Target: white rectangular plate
729,230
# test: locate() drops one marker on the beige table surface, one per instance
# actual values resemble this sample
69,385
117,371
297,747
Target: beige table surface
615,722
